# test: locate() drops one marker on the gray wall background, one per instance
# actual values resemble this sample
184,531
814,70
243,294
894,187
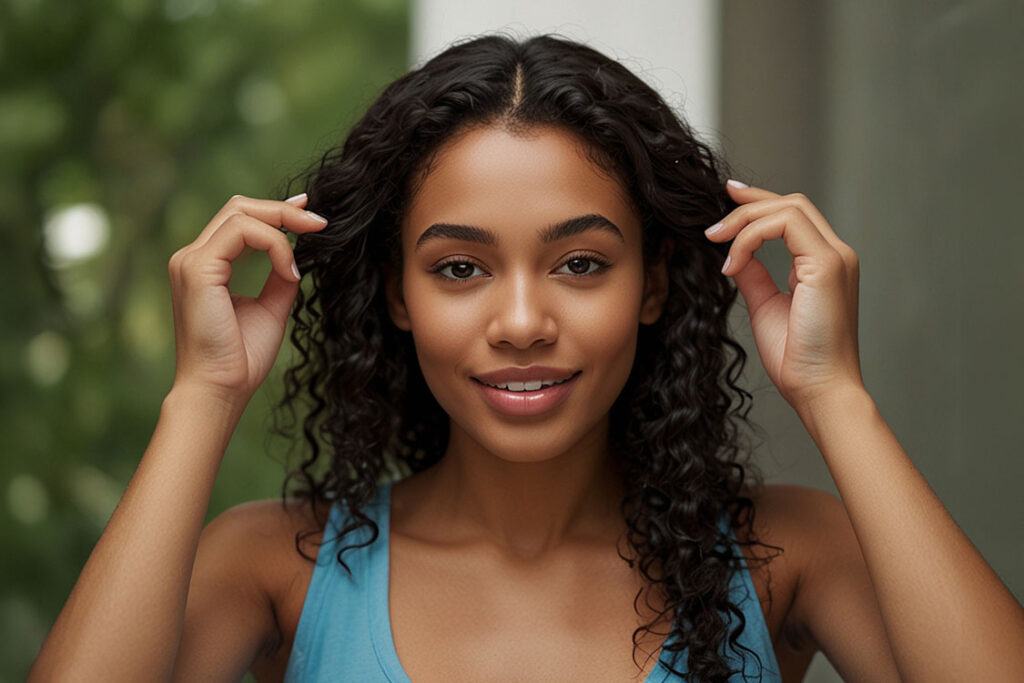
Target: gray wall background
904,123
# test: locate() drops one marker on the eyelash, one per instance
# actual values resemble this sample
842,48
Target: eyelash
602,265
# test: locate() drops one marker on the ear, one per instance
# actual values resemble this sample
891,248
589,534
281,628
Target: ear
395,300
656,287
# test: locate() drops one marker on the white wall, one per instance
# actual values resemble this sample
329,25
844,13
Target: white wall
674,46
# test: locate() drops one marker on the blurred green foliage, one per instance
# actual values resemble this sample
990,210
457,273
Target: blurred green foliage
125,125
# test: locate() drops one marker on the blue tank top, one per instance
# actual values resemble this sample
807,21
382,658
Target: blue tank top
344,631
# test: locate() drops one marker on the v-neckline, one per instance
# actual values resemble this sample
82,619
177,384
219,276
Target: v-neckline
378,605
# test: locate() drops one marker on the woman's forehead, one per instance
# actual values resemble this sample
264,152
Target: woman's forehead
492,176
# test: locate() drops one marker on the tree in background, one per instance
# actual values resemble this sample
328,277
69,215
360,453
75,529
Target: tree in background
125,126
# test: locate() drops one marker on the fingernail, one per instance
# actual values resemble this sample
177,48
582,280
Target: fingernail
297,199
728,260
736,183
713,229
295,269
317,217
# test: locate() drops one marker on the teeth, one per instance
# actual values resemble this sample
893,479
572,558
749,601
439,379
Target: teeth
528,386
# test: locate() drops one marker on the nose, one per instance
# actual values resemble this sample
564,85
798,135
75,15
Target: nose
520,316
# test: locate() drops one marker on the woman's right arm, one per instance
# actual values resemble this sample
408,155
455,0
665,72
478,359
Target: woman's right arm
125,615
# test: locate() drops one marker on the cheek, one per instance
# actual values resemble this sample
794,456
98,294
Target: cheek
605,329
443,329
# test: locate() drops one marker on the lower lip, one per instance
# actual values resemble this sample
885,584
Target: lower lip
526,402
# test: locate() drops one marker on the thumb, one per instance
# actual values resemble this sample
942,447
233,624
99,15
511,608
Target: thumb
278,295
755,284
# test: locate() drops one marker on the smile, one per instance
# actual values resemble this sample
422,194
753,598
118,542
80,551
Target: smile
526,398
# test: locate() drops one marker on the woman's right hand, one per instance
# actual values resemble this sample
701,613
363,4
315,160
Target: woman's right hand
225,342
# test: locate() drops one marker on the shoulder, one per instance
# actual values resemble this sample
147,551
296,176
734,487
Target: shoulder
797,514
268,518
807,523
833,604
241,571
813,530
248,555
254,544
798,527
258,538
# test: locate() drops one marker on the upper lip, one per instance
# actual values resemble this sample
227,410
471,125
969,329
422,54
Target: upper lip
533,373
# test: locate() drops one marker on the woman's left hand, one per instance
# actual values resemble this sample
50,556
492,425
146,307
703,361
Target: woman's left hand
807,337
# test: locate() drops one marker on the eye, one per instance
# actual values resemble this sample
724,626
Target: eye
455,270
584,265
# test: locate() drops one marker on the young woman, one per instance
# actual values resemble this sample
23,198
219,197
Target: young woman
524,458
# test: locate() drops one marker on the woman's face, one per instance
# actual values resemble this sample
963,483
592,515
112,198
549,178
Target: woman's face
522,258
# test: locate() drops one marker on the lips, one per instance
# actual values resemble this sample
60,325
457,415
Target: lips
533,373
521,398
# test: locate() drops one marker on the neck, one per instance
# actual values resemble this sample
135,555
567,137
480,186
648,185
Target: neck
525,509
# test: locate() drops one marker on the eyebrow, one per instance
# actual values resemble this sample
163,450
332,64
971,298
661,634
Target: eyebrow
552,233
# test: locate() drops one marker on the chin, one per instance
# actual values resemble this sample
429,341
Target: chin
511,454
540,442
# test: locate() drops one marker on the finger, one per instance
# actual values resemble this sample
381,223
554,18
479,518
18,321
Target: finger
757,202
744,194
278,295
240,231
274,213
801,237
755,284
298,200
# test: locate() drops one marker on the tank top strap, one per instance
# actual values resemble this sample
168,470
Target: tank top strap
333,640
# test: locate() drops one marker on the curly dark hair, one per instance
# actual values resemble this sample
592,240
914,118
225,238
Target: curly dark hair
674,429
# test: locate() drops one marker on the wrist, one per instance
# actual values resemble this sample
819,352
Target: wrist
840,403
219,405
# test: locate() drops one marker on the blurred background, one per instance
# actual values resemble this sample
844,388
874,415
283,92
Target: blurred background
126,124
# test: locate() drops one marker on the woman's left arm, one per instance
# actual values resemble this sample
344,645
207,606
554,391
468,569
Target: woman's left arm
946,613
